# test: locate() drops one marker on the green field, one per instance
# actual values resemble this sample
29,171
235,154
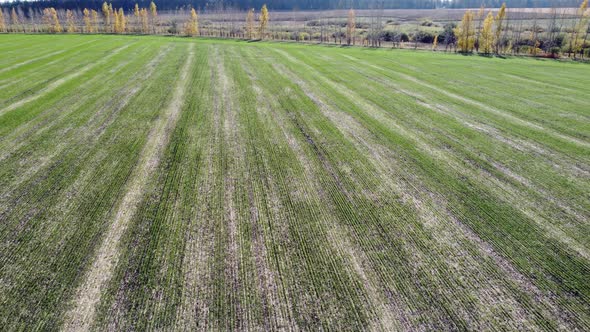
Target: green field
153,183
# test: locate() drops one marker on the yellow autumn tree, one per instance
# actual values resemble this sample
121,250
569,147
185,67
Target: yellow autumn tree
144,21
579,27
71,26
116,25
479,18
435,43
154,15
46,18
487,35
94,15
112,16
2,22
465,33
499,27
107,16
55,26
351,27
192,26
136,18
87,21
122,21
14,20
264,17
250,24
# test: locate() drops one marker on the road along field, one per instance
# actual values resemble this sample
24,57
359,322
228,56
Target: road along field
170,183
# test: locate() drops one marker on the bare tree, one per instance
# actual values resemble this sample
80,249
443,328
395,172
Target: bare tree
552,30
321,23
351,27
376,23
416,33
535,33
516,37
480,13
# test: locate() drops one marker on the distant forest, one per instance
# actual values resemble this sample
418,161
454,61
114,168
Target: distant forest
295,4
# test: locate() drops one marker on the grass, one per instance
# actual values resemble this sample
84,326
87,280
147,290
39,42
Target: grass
298,187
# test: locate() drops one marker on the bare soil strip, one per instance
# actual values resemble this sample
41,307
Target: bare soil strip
226,89
56,84
81,316
194,309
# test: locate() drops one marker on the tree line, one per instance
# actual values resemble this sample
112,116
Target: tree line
568,35
482,31
110,20
514,3
290,4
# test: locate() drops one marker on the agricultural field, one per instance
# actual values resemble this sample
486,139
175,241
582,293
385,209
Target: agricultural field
167,183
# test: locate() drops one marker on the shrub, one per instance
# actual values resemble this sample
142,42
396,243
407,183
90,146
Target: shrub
389,36
173,28
559,40
358,25
524,49
427,23
395,36
424,37
339,35
554,51
447,36
404,37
